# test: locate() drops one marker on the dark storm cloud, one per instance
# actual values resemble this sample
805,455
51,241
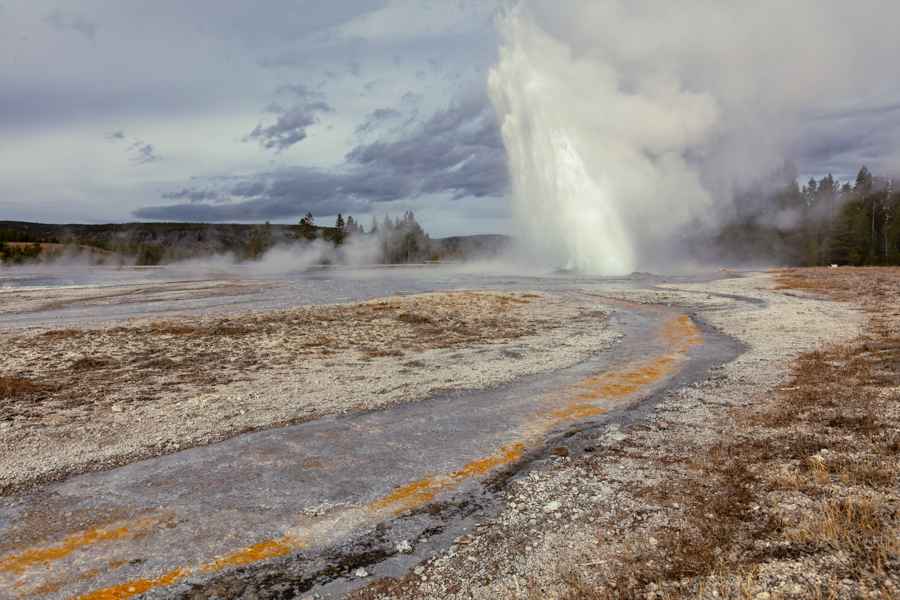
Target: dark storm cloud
376,118
299,90
841,142
192,195
163,58
285,193
65,21
139,151
458,151
411,98
371,85
258,24
865,111
143,153
290,126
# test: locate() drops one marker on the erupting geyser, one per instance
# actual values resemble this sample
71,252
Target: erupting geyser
567,215
624,119
589,161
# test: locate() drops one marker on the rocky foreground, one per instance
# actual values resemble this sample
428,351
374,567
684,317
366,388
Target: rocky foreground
777,477
91,398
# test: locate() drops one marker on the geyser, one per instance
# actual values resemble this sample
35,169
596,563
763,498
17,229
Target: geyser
586,164
629,123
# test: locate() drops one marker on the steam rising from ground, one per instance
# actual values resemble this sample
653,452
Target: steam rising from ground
289,258
628,122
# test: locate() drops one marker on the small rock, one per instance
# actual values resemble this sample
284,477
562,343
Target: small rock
762,596
360,573
404,547
552,506
419,570
653,541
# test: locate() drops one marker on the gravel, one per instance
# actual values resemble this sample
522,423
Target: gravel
120,394
584,514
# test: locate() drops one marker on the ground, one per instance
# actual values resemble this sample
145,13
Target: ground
80,399
774,475
777,477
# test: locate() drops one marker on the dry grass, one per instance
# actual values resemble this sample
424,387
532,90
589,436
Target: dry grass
827,443
797,497
148,360
17,387
414,319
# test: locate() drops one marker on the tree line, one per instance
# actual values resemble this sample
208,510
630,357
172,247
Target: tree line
19,253
821,222
399,240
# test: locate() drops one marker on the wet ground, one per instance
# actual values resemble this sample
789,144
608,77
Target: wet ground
105,295
305,507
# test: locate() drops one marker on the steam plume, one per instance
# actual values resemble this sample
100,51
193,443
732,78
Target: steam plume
627,122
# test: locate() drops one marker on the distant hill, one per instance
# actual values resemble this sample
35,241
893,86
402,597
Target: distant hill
154,243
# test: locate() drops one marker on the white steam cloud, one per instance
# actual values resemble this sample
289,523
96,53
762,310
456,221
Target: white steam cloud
628,121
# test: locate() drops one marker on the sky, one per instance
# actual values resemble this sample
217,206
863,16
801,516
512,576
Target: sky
242,111
232,110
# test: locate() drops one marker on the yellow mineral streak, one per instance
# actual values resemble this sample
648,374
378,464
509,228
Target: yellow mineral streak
262,551
423,491
680,333
129,589
43,556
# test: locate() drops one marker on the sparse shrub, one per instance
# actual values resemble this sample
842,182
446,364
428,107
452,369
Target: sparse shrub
16,387
414,319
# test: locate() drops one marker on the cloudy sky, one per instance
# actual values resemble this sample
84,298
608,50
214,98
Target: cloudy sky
233,110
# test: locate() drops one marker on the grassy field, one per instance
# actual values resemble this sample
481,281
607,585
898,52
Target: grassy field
809,477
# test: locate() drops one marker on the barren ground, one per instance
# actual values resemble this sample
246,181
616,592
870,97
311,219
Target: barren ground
777,477
80,399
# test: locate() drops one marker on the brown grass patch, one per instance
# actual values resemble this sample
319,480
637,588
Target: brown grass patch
17,387
150,359
414,319
381,352
88,363
170,328
219,328
63,334
828,439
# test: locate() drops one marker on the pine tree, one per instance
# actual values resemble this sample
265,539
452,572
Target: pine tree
863,181
339,227
308,227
